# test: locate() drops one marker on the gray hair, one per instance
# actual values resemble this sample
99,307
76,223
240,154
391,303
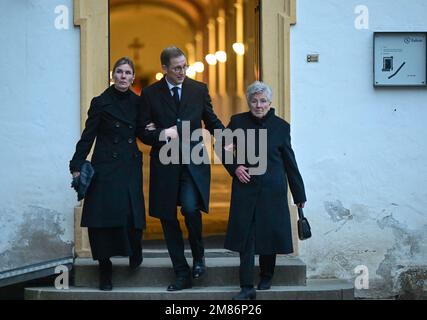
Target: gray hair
259,87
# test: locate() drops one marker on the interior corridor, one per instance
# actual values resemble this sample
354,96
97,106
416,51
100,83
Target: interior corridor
220,39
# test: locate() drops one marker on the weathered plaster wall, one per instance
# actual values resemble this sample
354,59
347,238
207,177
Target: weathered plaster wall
39,124
362,151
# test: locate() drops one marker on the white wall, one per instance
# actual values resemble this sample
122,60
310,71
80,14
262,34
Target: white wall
362,151
39,125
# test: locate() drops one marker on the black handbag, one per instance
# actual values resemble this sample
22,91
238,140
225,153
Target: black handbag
304,229
82,182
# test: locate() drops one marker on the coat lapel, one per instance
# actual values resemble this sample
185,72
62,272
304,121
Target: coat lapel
166,95
186,94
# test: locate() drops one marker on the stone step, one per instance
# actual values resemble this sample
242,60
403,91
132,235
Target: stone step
158,272
325,289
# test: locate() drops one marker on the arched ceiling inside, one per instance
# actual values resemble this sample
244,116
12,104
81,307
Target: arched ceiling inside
151,25
141,32
194,11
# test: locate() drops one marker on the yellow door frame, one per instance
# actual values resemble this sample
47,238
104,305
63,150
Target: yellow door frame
92,17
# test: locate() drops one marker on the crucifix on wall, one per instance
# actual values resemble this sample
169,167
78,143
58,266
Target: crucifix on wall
136,45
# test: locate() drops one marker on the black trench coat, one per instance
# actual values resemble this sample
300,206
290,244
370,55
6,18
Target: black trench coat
264,199
115,193
158,106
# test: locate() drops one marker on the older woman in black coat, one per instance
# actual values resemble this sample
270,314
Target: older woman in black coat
259,221
113,209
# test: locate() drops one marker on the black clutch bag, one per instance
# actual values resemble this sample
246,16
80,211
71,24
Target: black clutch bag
304,229
82,182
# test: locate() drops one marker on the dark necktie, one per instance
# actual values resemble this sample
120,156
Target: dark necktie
176,97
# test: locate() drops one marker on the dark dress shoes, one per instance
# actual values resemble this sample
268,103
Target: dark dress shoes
199,268
247,293
264,283
105,285
105,275
180,284
135,260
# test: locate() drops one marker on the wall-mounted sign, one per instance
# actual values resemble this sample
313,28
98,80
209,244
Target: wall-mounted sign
313,57
400,59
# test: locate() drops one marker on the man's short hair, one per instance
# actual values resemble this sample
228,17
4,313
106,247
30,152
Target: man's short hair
170,53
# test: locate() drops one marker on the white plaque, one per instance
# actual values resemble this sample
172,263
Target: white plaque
400,59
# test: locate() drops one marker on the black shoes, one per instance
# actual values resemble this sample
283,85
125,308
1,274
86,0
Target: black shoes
180,284
247,293
199,268
264,283
185,281
105,275
135,260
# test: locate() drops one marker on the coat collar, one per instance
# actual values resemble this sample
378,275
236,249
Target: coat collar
115,107
265,120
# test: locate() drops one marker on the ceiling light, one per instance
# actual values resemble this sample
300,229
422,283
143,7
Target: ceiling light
239,48
221,56
211,59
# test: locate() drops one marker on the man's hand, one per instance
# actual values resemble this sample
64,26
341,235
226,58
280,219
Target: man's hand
76,174
300,205
229,148
242,174
171,133
150,127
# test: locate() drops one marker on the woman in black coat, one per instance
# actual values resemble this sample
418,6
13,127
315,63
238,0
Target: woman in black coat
259,221
113,209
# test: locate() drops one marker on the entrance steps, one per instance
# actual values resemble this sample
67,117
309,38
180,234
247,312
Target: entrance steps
221,282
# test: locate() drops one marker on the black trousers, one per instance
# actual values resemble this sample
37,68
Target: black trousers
267,263
189,198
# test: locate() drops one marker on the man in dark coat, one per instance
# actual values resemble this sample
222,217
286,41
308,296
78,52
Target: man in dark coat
178,105
259,221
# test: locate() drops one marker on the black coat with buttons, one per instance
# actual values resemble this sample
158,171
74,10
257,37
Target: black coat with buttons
264,200
115,193
158,106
